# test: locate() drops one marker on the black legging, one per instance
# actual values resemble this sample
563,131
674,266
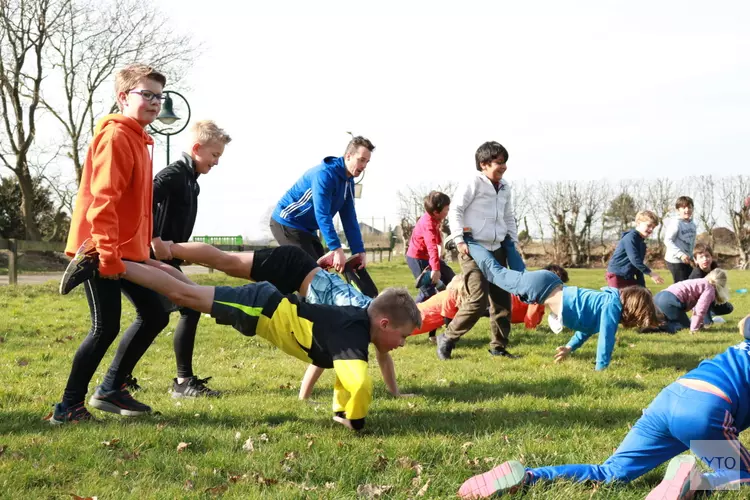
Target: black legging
184,341
105,305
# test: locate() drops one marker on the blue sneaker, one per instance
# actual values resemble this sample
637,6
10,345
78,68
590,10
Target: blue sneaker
73,415
118,401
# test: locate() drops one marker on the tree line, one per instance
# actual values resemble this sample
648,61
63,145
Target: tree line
572,218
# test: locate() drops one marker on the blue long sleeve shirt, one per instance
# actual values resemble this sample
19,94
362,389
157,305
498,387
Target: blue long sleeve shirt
730,372
588,312
313,201
627,260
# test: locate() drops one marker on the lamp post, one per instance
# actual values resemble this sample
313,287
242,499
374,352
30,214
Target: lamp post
168,117
358,186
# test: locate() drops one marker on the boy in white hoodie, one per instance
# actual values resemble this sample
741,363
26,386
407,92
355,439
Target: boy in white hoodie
482,209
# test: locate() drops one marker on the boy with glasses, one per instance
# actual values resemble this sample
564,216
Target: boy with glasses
113,210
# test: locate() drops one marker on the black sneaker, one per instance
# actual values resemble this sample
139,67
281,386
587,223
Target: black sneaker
131,383
193,387
73,415
444,347
118,401
502,353
82,267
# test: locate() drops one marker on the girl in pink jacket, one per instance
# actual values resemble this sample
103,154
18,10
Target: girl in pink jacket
696,295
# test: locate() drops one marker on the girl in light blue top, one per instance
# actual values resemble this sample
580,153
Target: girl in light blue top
580,309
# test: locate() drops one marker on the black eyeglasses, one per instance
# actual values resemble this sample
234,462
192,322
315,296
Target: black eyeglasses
148,95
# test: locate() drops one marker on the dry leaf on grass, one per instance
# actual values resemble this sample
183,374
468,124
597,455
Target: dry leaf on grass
263,438
330,486
249,446
3,448
22,362
182,447
237,436
466,446
160,426
217,490
289,456
76,497
372,490
111,443
423,489
380,463
189,485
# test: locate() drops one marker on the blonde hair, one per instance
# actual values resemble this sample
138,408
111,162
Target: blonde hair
205,131
647,216
398,306
638,309
128,77
718,279
741,325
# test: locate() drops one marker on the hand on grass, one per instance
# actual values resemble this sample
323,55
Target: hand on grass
562,352
657,279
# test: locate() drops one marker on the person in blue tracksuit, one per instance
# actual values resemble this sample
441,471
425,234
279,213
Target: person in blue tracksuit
703,411
580,309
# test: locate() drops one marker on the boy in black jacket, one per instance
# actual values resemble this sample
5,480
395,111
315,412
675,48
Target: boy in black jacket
176,192
703,256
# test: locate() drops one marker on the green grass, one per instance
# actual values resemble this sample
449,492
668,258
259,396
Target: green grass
470,413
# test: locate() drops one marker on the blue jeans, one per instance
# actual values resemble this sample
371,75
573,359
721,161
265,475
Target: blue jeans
677,416
515,262
416,266
329,289
531,287
673,310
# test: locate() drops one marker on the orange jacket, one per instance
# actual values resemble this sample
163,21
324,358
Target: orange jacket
528,314
113,206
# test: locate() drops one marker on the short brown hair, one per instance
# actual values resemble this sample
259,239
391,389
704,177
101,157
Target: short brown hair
702,248
558,270
638,309
358,142
398,306
647,216
684,201
128,77
435,202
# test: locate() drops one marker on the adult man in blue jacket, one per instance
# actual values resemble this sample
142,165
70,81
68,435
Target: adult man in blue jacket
314,200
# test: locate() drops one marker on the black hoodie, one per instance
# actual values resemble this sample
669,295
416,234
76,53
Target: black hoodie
176,193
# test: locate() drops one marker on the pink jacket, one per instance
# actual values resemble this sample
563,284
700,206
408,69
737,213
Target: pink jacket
425,240
697,295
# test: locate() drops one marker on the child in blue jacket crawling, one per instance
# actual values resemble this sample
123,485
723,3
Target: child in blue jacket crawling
703,411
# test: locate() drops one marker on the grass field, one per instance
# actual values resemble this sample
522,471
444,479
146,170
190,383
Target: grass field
469,413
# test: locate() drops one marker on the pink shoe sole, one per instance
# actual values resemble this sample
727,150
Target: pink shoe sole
676,483
508,477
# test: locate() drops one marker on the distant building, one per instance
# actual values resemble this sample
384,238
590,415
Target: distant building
368,229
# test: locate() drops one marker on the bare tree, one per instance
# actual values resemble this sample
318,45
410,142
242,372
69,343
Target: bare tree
411,204
26,27
705,196
660,197
572,208
97,38
734,192
524,200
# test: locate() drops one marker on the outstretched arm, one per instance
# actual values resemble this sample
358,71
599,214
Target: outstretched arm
388,369
190,295
312,374
238,265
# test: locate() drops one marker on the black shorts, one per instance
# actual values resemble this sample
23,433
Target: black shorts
308,242
285,267
241,306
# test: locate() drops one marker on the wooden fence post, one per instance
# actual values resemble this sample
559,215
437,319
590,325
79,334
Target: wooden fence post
12,262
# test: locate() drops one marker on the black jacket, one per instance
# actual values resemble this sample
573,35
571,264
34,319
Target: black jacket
176,193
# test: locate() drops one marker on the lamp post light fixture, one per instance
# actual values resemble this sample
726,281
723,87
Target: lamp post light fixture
169,118
358,186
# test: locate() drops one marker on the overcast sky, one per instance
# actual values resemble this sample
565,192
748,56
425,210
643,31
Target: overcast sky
574,90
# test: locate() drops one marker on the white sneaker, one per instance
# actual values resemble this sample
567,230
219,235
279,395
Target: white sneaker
718,320
554,323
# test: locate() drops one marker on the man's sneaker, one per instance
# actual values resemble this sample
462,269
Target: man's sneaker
326,261
681,481
73,415
444,347
502,353
82,267
506,478
131,383
425,278
193,387
118,401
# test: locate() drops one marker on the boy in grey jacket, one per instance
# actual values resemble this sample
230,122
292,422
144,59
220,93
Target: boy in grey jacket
679,239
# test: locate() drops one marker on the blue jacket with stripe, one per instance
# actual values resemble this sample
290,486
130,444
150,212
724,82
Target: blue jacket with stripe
317,196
